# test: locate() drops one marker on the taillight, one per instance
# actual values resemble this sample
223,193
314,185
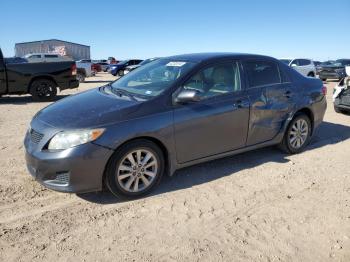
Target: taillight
324,90
74,69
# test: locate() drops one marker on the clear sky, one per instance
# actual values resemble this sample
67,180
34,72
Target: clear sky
147,28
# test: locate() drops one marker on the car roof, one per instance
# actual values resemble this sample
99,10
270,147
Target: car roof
198,57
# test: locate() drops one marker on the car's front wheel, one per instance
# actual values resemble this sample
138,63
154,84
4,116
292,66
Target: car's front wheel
135,169
298,134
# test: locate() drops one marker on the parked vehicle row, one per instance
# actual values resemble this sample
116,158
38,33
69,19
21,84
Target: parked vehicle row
118,69
334,70
130,68
168,114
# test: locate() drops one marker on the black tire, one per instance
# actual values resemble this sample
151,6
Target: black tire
111,180
337,110
324,79
286,145
120,73
311,74
81,77
43,90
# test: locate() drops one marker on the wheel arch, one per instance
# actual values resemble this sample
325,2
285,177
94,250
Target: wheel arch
308,112
47,77
156,141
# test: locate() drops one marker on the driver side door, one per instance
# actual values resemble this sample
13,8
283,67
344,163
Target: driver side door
218,122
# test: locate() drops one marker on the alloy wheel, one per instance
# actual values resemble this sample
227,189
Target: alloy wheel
298,133
137,170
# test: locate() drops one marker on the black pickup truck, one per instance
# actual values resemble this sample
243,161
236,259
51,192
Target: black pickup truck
41,80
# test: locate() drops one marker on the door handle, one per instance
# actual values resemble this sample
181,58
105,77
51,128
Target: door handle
240,104
287,94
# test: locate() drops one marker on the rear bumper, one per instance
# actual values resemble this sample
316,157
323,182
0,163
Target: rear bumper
74,83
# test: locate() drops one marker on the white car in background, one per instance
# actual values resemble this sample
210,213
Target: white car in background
304,66
45,57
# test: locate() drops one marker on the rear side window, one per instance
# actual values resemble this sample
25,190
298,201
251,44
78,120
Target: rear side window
262,73
304,62
51,56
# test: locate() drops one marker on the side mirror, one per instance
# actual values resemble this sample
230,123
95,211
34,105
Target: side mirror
187,96
293,65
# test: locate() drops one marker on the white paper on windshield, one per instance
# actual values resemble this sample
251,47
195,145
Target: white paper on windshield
175,64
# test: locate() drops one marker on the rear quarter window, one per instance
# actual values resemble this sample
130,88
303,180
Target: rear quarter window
261,73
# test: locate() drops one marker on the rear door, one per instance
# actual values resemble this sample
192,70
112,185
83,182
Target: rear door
271,96
219,121
3,85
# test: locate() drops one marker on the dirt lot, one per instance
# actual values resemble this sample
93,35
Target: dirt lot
257,206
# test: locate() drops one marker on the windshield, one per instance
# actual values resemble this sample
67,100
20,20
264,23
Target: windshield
147,61
342,62
286,61
152,79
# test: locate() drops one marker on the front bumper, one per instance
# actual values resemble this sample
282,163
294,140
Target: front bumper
75,170
342,103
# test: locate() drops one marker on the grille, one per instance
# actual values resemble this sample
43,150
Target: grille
35,136
63,178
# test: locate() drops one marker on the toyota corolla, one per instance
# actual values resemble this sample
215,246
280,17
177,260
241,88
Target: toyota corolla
171,113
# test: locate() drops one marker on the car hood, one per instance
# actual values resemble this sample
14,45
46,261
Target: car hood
93,108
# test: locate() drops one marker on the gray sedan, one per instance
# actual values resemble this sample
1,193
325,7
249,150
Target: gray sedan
168,114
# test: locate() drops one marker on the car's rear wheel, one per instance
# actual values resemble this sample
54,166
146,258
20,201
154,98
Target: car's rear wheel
135,169
298,134
120,72
43,90
311,74
80,77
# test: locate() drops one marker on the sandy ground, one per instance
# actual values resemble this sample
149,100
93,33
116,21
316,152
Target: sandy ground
257,206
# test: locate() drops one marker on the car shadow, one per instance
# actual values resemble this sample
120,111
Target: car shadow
20,100
328,133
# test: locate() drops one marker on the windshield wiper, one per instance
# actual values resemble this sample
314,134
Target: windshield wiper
122,92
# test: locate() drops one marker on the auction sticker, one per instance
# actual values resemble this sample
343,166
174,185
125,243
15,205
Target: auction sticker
175,63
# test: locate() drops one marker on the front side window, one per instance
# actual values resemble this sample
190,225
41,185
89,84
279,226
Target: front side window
262,73
304,62
215,80
154,78
295,62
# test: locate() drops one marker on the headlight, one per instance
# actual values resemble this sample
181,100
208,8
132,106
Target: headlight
68,139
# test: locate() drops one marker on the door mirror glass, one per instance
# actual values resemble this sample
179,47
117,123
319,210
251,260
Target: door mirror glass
187,96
